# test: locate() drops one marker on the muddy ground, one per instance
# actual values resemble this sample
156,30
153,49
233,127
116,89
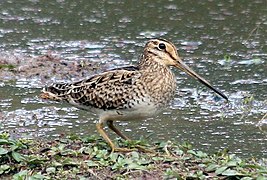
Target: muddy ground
47,68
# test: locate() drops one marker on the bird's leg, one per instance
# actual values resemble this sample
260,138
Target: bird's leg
118,132
99,127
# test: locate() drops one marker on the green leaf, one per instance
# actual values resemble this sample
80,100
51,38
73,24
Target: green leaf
4,168
135,155
57,164
3,151
246,178
261,178
230,172
231,164
17,156
20,175
51,170
37,177
4,141
201,154
69,162
253,166
171,174
113,157
158,158
134,166
91,163
221,170
179,151
227,57
32,160
191,152
14,147
212,167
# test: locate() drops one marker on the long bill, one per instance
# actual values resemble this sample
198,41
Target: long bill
179,64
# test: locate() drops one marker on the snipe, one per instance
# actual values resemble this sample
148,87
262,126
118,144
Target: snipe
127,93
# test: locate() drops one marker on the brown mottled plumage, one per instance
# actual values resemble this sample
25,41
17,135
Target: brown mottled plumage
128,93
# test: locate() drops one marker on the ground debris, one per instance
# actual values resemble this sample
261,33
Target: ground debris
44,67
74,157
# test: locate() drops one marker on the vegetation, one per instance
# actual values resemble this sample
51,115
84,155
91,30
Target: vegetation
7,66
88,158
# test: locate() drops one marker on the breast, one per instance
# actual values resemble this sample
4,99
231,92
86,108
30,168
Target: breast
161,87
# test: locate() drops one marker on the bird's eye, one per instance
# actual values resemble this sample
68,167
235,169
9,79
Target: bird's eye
162,46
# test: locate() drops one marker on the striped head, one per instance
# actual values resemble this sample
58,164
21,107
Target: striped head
165,53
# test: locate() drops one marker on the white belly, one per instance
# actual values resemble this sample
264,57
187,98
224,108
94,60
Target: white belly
138,111
133,114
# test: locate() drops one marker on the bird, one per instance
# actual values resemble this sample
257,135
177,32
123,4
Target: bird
128,93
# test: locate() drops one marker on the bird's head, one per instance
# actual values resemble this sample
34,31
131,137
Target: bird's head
165,53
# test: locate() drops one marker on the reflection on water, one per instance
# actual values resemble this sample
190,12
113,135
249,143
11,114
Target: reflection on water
225,42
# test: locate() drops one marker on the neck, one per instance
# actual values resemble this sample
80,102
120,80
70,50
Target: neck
148,63
158,79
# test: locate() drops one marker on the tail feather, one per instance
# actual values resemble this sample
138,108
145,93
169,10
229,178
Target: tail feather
56,92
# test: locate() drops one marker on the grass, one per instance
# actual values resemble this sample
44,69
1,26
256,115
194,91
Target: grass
7,66
89,157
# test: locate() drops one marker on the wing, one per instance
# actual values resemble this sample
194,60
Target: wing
109,90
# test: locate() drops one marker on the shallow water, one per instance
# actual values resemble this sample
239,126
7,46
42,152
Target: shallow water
225,42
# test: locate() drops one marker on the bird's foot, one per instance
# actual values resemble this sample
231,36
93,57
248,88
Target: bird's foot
116,149
135,148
